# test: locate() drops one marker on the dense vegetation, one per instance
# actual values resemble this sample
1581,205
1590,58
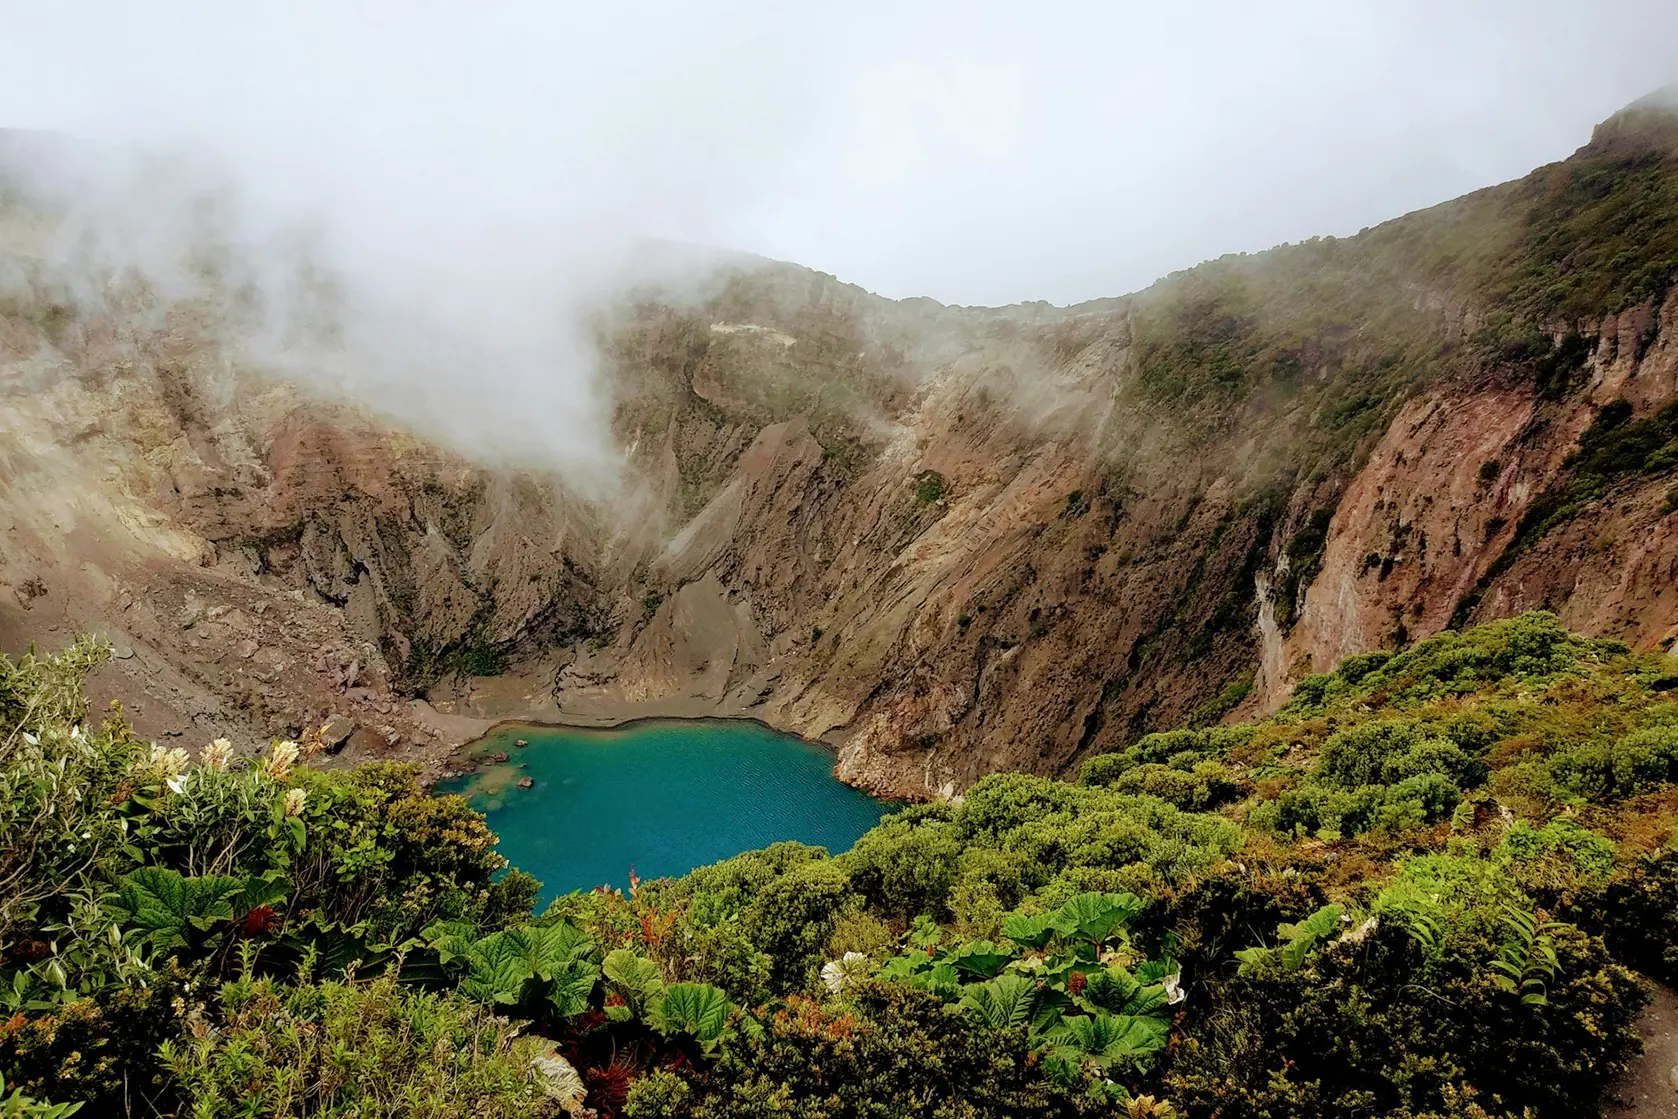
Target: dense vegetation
1419,890
1330,336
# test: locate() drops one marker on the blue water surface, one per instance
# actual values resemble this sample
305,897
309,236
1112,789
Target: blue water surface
661,796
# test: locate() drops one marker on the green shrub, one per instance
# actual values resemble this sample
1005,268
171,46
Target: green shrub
373,1049
659,1094
1207,785
907,864
16,1105
1597,770
888,1050
793,918
1420,971
100,1050
1389,1025
1533,648
724,889
387,853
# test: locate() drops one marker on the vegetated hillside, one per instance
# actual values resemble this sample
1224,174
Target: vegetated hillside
1424,888
951,541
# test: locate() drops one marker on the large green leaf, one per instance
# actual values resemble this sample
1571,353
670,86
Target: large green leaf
634,979
572,985
268,889
1324,922
1047,1022
1094,917
1110,1039
1297,942
1305,935
942,980
1112,989
978,958
548,948
906,968
453,940
1032,932
697,1009
1002,1003
166,906
498,968
329,948
1158,969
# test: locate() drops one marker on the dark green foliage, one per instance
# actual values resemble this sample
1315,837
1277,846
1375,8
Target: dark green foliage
369,1050
908,864
1611,452
1387,1025
1056,975
167,910
1553,363
793,916
429,663
1203,786
1623,767
17,1105
1233,695
1304,551
929,487
1370,903
1207,339
723,890
1534,647
101,1050
1601,236
473,653
1639,916
1384,753
388,854
889,1052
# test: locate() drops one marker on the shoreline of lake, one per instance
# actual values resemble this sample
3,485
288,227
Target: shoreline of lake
578,807
462,752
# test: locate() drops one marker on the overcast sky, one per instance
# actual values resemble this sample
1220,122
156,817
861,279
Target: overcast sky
976,152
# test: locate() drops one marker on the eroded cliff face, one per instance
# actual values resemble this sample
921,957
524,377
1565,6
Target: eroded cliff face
949,541
1426,532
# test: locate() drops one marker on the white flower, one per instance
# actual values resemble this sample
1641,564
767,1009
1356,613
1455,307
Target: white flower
1173,985
840,973
281,757
1361,932
31,739
294,799
176,784
216,755
165,761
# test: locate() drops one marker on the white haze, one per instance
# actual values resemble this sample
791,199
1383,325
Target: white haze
473,172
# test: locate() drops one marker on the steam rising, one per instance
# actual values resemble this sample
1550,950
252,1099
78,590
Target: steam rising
425,200
417,213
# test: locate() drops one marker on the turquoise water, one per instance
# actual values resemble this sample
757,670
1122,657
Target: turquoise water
661,796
